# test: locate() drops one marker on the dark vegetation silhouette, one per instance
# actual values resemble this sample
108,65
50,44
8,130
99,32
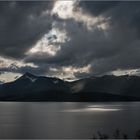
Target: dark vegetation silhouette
117,134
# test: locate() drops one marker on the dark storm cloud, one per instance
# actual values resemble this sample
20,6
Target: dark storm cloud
117,47
21,25
93,47
124,32
98,7
120,49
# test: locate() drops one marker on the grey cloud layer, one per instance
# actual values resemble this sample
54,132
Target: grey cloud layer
21,25
118,47
124,34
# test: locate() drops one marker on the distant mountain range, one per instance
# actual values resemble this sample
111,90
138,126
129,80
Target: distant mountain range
39,88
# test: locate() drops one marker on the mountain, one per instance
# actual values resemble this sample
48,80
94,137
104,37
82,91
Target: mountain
39,88
28,86
118,85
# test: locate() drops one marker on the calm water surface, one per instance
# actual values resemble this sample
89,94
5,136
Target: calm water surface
66,120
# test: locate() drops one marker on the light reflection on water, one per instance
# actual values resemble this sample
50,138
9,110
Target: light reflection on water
65,120
92,109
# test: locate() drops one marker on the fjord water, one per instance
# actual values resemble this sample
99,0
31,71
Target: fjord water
66,120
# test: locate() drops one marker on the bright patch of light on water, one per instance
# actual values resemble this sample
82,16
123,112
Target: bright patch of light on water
92,109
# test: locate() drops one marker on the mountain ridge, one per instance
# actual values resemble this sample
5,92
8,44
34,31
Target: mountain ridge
105,88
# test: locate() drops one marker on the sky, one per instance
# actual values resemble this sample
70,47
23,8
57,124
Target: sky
70,39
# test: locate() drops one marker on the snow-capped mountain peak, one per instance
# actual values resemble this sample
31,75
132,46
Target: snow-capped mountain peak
29,76
31,79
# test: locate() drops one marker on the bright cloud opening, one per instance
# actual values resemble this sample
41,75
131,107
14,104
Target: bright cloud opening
68,73
9,76
50,43
68,10
130,72
14,64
